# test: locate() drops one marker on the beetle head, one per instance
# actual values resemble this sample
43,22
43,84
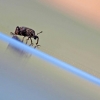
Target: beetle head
35,37
17,30
17,27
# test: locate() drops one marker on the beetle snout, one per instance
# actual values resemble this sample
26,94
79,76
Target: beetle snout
35,37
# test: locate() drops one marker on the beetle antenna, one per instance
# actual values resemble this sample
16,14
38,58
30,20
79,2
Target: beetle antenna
39,32
12,33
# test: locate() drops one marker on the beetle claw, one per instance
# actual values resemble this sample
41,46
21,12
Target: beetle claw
34,47
31,44
37,46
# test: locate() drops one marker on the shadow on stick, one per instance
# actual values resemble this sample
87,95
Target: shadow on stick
15,49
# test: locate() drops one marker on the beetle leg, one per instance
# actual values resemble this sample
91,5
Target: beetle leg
31,41
23,39
27,40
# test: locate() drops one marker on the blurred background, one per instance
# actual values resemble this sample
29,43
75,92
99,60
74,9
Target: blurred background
71,33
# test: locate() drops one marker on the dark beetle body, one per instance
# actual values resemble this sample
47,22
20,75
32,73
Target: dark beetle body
27,32
24,31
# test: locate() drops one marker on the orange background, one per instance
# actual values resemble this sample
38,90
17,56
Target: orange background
88,10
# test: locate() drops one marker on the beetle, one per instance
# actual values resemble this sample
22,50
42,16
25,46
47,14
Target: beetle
26,32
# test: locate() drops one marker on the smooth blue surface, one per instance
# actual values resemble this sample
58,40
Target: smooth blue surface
50,59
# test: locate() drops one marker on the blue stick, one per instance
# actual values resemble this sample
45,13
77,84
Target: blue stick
50,59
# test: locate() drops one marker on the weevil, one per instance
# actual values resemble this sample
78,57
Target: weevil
27,32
